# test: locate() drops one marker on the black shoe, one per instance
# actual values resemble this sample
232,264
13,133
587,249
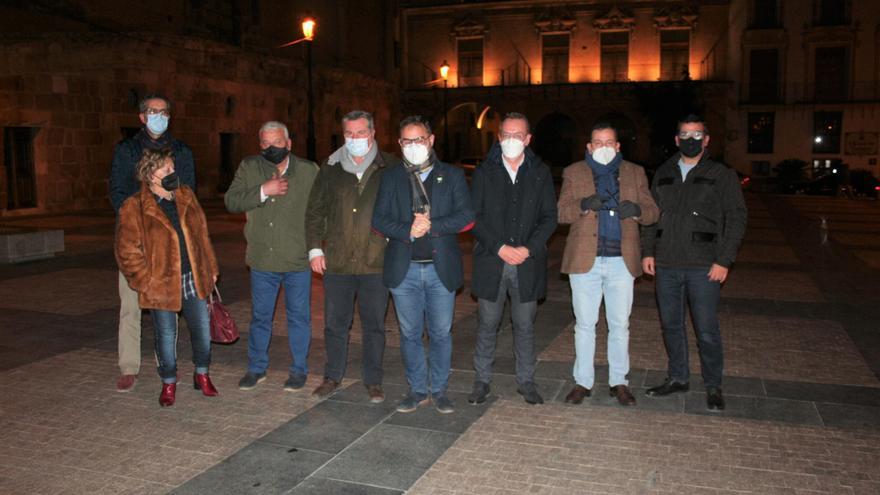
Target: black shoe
670,386
530,393
714,399
479,393
250,380
295,381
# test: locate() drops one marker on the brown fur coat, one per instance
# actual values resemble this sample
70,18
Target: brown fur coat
148,251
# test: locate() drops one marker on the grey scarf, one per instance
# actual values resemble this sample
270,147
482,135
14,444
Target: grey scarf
343,157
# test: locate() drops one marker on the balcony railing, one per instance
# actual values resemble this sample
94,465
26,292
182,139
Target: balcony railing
822,92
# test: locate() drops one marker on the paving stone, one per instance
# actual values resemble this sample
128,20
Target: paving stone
328,427
427,418
322,486
258,468
389,456
792,411
849,416
818,392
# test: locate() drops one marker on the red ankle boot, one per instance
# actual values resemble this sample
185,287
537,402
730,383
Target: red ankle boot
166,399
201,381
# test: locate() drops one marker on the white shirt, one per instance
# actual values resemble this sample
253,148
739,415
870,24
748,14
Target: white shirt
510,171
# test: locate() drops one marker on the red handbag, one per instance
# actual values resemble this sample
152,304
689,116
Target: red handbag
223,329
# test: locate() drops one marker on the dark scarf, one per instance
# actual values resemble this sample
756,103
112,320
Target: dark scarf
148,143
606,178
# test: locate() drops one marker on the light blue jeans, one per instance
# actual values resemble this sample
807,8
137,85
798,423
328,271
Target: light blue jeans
610,278
422,298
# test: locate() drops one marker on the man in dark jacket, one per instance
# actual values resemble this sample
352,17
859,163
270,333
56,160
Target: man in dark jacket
691,250
345,250
515,208
155,113
421,208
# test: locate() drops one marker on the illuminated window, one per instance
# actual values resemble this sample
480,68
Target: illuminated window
827,128
555,58
761,127
470,62
674,50
615,56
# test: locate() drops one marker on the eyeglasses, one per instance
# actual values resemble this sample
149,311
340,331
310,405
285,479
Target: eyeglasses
698,135
519,136
357,134
158,111
404,142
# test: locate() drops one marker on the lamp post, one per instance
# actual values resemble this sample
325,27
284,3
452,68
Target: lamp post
308,29
444,73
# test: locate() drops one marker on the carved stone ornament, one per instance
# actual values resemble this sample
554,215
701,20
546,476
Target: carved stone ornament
614,19
678,16
555,20
468,28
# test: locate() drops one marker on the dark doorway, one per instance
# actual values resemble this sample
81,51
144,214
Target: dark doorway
229,155
554,139
18,157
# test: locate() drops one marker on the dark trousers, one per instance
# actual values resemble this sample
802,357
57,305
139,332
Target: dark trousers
372,299
522,315
675,288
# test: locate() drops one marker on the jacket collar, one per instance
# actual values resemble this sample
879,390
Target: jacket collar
183,198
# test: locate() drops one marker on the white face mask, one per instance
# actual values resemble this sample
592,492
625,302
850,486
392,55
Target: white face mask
416,154
604,155
357,146
512,148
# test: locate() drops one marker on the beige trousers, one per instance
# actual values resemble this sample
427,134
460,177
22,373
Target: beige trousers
129,329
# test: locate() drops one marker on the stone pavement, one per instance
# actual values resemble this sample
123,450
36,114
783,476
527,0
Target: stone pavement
802,349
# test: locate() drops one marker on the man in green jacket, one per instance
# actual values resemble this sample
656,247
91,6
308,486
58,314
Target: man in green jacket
344,249
272,188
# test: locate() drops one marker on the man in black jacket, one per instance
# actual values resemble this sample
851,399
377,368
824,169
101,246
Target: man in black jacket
690,250
515,207
155,113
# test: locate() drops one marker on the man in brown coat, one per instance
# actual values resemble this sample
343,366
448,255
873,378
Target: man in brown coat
604,198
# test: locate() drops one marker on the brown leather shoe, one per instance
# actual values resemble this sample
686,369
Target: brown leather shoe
577,394
126,383
376,393
326,388
624,396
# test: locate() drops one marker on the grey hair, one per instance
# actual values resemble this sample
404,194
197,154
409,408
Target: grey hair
274,124
517,116
142,106
357,115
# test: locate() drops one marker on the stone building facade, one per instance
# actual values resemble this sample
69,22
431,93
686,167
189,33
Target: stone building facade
73,72
775,79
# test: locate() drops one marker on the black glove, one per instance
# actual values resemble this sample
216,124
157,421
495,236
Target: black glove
628,209
593,202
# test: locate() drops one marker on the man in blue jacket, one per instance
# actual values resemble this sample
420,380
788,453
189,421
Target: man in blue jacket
155,113
421,208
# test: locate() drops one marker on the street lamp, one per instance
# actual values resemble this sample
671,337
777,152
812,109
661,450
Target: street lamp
308,29
444,73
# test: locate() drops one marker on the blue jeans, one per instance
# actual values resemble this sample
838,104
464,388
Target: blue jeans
610,278
421,295
195,311
675,286
297,300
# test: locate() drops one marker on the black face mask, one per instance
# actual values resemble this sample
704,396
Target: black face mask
690,147
275,154
171,181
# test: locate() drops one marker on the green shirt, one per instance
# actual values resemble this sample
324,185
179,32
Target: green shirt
275,228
